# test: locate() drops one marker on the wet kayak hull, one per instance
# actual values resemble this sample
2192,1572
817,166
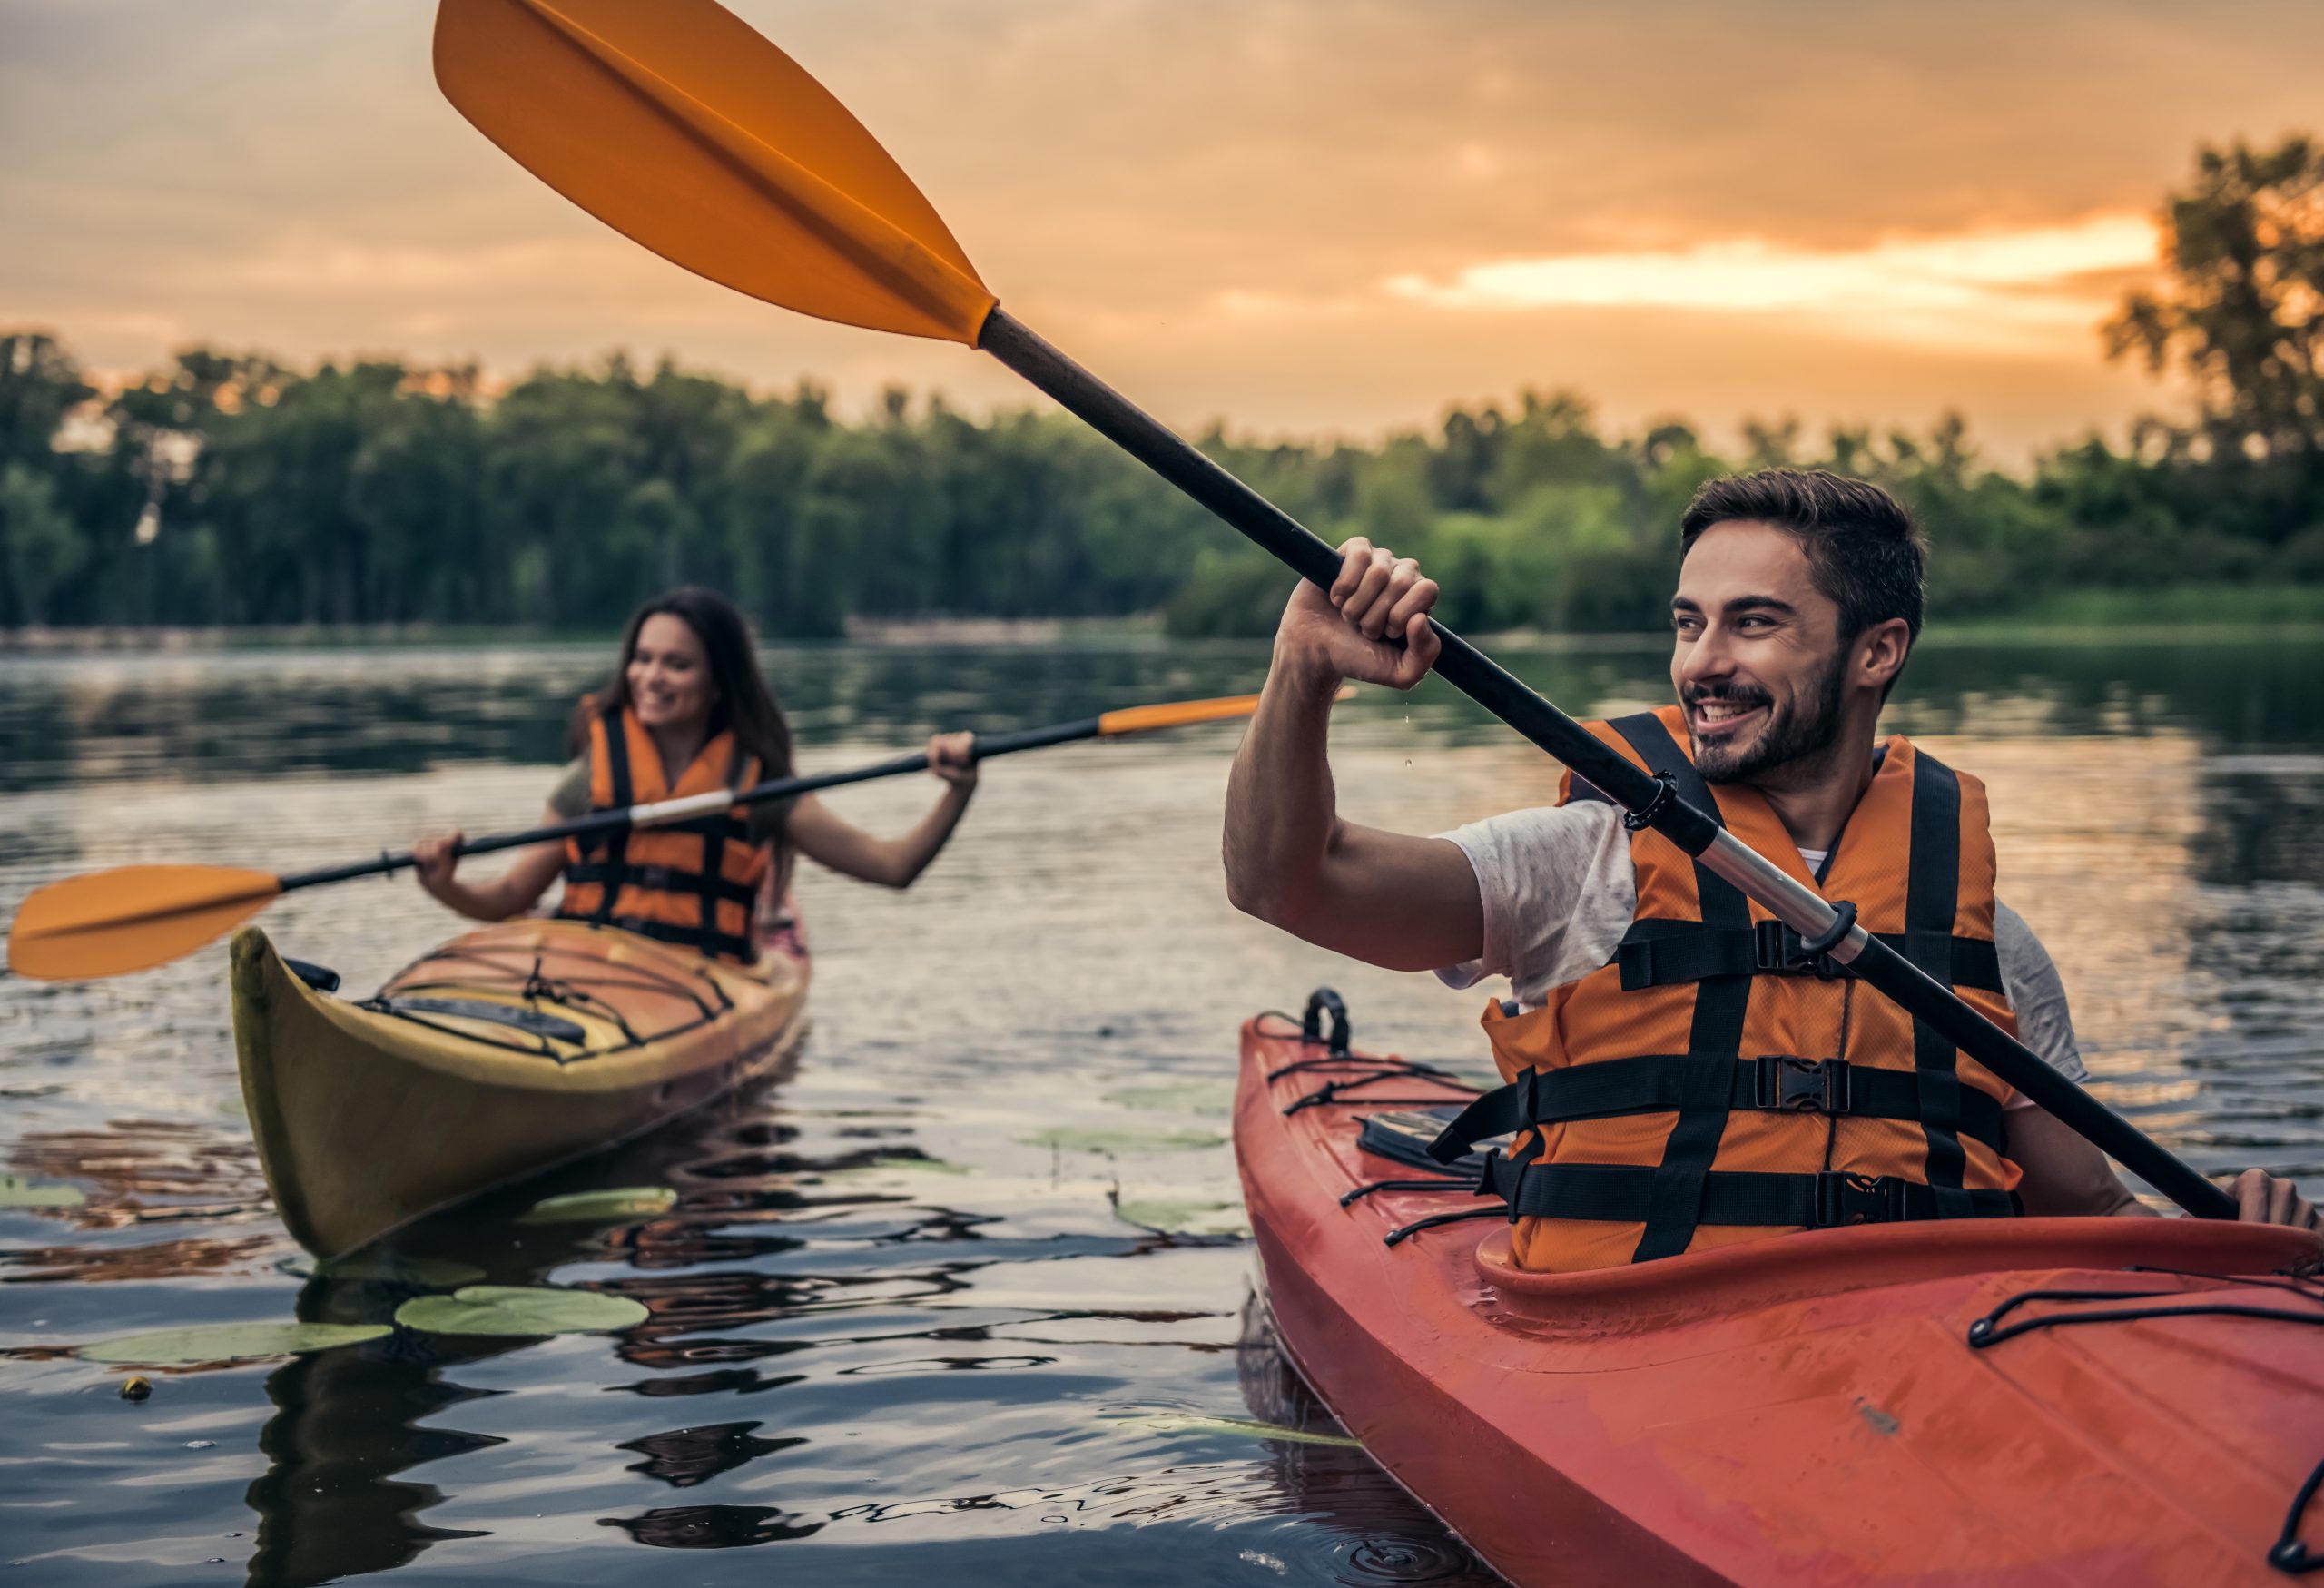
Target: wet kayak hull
1807,1409
505,1051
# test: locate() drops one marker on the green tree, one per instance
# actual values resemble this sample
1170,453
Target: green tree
39,386
44,547
2243,315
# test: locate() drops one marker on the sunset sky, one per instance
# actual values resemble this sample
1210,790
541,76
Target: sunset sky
1302,216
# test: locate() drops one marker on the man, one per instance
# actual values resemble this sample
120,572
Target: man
1673,1100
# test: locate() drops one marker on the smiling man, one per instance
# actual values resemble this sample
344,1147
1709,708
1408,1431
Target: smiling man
1682,1075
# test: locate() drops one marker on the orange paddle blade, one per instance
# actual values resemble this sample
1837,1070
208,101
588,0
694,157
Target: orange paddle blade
131,918
1179,714
676,125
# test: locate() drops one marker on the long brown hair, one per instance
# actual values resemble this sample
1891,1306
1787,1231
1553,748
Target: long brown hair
740,698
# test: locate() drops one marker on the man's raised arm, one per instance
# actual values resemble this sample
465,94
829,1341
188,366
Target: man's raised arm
1403,902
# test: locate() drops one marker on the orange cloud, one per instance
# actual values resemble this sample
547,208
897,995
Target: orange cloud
1993,286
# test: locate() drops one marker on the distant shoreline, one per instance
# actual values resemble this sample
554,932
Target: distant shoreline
2187,614
130,639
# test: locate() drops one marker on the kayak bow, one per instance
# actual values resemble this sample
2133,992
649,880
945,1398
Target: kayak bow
2103,1401
505,1051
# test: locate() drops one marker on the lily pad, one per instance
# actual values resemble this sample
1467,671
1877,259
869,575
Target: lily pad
15,1192
1184,1217
602,1207
1250,1428
1196,1097
519,1309
1079,1140
210,1342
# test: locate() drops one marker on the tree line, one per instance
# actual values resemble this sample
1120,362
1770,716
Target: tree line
230,489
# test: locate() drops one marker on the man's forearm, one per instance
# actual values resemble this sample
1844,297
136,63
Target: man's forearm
1281,807
2063,1174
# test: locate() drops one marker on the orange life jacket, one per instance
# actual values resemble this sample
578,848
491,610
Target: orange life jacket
692,883
1710,1084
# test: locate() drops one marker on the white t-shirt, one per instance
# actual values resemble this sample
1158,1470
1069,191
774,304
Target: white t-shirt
1559,892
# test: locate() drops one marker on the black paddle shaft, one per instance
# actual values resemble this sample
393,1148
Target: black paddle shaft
775,789
1500,692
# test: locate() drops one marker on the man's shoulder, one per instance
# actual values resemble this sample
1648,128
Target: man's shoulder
1544,846
1579,823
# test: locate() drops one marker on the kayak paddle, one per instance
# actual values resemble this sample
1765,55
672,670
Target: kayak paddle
134,917
680,126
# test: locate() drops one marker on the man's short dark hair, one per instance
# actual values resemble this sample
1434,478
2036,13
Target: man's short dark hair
1863,550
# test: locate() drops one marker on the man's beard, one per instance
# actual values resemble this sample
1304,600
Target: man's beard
1808,728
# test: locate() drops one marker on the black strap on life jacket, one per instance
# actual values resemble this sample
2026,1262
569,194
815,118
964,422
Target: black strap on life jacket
1679,1180
663,878
1626,1194
1663,1082
1932,896
616,850
608,866
1720,954
1657,952
713,884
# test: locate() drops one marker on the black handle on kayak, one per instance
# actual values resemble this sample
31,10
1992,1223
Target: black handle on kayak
1652,802
987,748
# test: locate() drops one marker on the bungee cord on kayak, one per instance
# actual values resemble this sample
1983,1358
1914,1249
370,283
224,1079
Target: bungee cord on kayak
411,996
2290,1553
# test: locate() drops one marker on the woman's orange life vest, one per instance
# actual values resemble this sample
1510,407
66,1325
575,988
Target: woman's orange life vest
1710,1084
691,883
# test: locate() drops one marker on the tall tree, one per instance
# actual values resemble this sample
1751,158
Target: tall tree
2243,311
42,547
39,385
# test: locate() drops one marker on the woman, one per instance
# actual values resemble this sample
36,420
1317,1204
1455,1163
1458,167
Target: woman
688,713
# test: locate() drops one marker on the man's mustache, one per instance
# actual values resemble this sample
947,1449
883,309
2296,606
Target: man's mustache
1741,695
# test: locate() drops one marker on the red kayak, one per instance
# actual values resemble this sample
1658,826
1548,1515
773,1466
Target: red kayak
2103,1401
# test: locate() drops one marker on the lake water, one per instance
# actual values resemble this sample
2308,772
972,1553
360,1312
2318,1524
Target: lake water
1009,1362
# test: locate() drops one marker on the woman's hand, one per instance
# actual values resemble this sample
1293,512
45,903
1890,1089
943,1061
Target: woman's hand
954,759
1343,632
435,858
2261,1197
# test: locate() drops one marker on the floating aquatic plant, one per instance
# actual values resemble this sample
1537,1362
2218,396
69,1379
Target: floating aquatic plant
519,1309
603,1207
18,1192
210,1342
1184,1217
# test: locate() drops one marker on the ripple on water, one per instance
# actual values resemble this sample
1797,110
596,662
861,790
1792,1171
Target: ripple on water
964,1299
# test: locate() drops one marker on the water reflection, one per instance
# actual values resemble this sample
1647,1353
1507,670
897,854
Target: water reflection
347,1424
1387,1536
2263,821
896,1328
231,715
683,1457
713,1526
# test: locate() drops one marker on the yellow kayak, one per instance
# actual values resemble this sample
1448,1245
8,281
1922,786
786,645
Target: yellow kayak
506,1051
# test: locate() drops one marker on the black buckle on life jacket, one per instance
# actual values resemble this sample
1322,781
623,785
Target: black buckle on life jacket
1777,948
1800,1086
1846,1199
